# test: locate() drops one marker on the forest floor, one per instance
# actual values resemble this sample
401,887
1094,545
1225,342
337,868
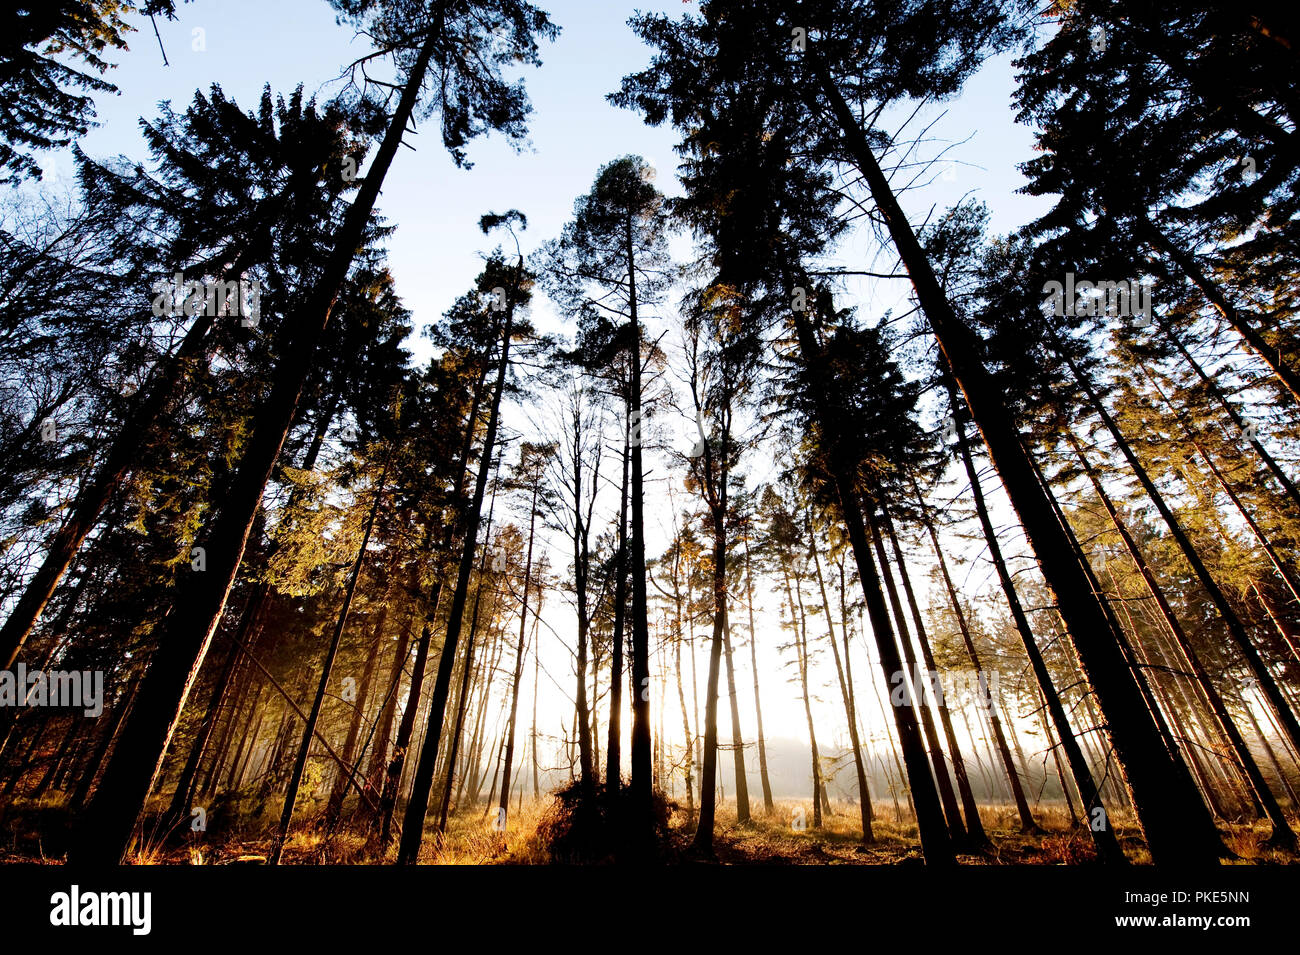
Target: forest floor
37,833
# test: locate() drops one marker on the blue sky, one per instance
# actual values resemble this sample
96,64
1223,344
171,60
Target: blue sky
573,130
434,252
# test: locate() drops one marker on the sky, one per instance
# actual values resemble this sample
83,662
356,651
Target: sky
434,254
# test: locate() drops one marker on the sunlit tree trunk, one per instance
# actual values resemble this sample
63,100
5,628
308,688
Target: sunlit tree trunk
1270,354
689,759
334,807
1108,848
936,843
1027,823
418,803
387,712
309,731
1139,674
864,792
1213,389
467,672
504,805
1174,818
922,692
537,669
1281,829
768,806
395,773
180,804
107,827
975,834
1267,683
799,626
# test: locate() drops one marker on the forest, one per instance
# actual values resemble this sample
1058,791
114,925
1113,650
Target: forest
806,496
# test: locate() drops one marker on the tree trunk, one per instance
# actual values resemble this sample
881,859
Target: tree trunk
1139,675
1060,770
1173,817
737,738
247,742
1187,264
300,762
473,770
848,679
94,495
504,805
768,806
1230,618
56,760
107,826
88,775
418,804
334,807
1288,578
1027,823
708,779
1107,845
395,773
801,652
641,782
594,709
924,693
180,804
384,722
864,793
1281,829
686,731
1208,384
614,756
467,671
936,844
537,667
975,834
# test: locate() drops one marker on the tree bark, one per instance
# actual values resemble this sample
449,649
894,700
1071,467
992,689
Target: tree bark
107,826
504,805
1027,823
936,843
975,834
1171,816
1282,831
864,792
1107,845
418,804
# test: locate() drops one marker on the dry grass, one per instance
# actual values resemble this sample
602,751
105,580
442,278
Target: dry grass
774,839
472,839
37,831
1250,842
